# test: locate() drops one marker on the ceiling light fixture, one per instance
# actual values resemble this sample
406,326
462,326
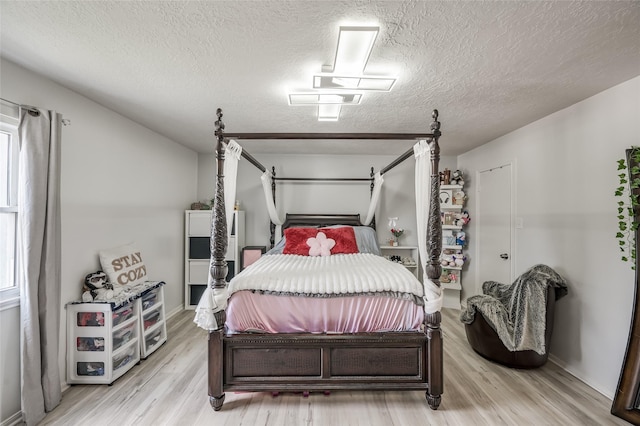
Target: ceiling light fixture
352,82
354,48
329,112
344,82
319,98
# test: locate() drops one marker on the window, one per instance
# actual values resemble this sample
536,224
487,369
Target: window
9,288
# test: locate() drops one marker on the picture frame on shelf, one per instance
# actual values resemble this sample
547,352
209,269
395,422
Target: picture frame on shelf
446,198
448,218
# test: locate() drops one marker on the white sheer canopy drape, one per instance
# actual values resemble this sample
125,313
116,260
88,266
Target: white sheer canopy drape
231,158
266,179
433,294
39,261
375,196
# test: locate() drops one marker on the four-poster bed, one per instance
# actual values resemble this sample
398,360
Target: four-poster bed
408,359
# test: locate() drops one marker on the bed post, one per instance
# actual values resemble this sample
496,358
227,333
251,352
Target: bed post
434,248
218,271
272,226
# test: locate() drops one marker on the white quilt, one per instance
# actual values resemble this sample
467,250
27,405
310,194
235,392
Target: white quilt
337,274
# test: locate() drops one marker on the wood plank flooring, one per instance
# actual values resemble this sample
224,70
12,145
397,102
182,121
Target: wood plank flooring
170,388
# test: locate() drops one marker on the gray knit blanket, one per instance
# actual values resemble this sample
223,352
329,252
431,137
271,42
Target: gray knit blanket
517,312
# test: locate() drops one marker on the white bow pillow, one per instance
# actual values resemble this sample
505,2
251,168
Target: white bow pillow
320,245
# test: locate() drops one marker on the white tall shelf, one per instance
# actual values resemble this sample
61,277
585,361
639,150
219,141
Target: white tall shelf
197,252
452,289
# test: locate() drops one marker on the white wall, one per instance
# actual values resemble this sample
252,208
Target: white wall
120,183
565,176
396,200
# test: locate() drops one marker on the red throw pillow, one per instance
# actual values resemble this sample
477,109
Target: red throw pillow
296,240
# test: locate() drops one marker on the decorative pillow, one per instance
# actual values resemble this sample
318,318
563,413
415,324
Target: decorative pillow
366,238
123,265
320,245
296,240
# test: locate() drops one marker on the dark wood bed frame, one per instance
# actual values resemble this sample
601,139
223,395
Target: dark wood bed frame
311,362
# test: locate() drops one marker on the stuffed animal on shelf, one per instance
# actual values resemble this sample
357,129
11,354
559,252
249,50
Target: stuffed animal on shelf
459,258
447,258
457,178
461,219
97,286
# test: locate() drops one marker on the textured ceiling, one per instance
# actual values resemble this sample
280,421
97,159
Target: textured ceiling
489,67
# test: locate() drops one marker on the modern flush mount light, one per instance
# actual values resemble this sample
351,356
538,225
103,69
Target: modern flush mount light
329,112
354,48
332,81
344,82
316,98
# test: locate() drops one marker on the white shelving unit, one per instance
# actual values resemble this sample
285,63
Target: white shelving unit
197,252
102,343
153,326
404,252
451,278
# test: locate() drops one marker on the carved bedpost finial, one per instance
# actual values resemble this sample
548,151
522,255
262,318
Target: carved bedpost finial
435,124
219,125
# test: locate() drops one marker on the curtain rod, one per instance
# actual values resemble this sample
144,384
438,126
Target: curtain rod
27,107
32,109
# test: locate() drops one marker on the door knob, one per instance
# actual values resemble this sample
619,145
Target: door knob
504,256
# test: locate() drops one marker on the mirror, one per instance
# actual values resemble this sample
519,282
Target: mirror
626,404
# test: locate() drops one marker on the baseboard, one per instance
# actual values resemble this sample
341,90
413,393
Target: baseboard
557,361
16,419
175,311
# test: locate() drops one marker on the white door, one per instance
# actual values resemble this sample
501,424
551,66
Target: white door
494,225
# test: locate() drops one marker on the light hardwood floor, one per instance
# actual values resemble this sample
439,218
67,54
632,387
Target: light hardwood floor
170,388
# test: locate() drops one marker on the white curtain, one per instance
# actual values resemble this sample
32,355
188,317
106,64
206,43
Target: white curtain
433,295
231,158
375,195
268,196
39,261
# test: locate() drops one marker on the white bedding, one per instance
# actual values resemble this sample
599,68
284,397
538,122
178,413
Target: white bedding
327,275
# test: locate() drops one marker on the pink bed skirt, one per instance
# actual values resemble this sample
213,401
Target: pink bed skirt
254,312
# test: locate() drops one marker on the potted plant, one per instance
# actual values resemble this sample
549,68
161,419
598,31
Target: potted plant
628,192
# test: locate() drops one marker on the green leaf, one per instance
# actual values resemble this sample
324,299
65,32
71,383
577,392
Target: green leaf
621,217
619,235
621,203
621,243
620,209
624,259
